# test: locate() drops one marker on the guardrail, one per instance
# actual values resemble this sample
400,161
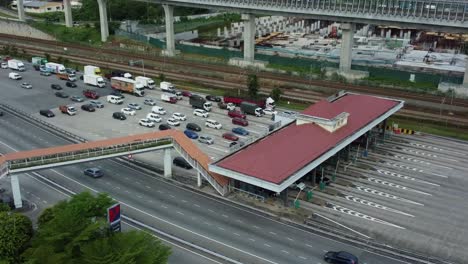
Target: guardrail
256,196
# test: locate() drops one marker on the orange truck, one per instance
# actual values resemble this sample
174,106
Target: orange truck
66,109
66,76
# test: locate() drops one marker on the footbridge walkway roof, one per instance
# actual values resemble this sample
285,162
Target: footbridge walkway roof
23,161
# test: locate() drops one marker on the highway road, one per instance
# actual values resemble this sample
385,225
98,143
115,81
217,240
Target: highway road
205,221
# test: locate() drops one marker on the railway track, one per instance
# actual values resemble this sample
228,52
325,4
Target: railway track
184,71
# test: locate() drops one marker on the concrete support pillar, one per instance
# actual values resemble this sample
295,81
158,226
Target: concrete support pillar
102,4
199,179
249,37
170,39
346,47
68,13
465,77
167,163
20,6
409,34
284,197
15,188
384,129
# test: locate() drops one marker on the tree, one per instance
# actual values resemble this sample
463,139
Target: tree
252,85
47,56
162,77
276,94
15,234
76,231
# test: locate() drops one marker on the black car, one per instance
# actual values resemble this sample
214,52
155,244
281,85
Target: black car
1,113
181,162
61,95
71,84
46,113
235,143
56,87
119,115
117,93
194,127
88,107
340,257
213,98
325,180
164,127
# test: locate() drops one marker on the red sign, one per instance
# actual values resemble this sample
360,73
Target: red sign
113,213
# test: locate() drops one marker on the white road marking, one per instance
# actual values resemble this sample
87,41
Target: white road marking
218,149
236,234
301,257
196,205
290,239
240,221
147,186
172,196
139,196
251,239
180,213
184,201
163,206
266,245
345,210
220,228
211,210
206,223
273,233
284,251
225,216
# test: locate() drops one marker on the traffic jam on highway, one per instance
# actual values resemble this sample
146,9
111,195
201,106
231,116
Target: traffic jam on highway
218,124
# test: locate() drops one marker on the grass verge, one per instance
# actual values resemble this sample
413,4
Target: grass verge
431,128
87,35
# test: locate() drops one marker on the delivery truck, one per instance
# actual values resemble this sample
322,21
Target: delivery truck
251,109
170,98
167,87
69,110
37,62
268,103
148,83
67,76
55,67
16,65
92,70
127,85
94,80
199,102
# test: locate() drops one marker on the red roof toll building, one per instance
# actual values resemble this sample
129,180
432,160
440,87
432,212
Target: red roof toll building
321,134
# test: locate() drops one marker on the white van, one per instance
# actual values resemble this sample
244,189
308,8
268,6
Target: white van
113,99
158,110
14,76
213,124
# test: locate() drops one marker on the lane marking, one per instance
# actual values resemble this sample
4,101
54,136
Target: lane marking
180,213
266,245
236,234
284,251
218,149
273,233
251,239
220,228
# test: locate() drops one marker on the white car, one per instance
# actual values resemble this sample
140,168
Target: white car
153,117
270,112
173,122
14,76
146,122
134,106
149,101
158,110
231,107
4,65
200,112
179,116
128,111
213,124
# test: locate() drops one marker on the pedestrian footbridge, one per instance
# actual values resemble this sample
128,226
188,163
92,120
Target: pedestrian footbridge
25,161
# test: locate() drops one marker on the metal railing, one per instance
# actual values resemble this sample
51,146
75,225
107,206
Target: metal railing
194,163
249,194
3,169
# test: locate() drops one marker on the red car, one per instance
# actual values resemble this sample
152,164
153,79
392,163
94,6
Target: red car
237,114
186,94
240,121
91,94
230,136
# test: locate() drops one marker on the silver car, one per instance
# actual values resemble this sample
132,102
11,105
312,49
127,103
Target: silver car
26,86
76,99
96,104
134,106
205,139
93,172
149,101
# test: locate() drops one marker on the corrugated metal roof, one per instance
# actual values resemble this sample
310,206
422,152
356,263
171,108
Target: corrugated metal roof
279,155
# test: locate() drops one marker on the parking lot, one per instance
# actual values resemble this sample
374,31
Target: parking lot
410,191
100,124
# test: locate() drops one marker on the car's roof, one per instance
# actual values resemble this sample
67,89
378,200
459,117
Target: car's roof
93,169
344,254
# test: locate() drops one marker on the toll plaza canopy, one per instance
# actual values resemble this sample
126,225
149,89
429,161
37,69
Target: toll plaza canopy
309,138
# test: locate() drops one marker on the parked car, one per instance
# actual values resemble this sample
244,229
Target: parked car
61,94
76,98
149,101
240,121
128,111
71,84
340,257
56,87
164,127
134,106
181,162
146,122
213,98
193,126
237,114
154,117
213,124
206,139
45,73
117,93
236,143
186,93
191,134
240,131
46,113
88,108
26,85
200,112
230,136
4,65
93,172
173,122
119,115
96,104
179,117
